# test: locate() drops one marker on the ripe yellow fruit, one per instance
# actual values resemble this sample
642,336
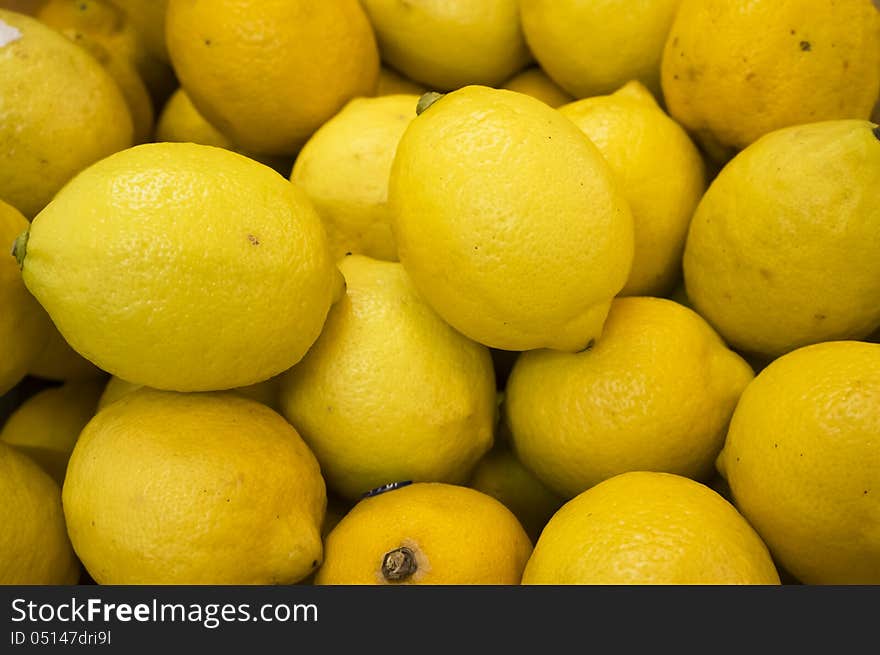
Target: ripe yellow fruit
661,173
783,250
393,83
734,70
268,73
344,169
447,45
102,29
509,221
389,391
265,392
24,326
58,361
46,426
534,82
34,548
166,488
426,533
592,48
501,475
655,393
50,131
802,459
184,267
649,528
148,17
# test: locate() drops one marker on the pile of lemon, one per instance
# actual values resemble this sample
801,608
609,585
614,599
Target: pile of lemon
471,292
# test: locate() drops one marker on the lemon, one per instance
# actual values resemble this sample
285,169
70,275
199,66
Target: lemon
446,45
661,173
734,70
52,130
100,27
427,533
268,73
389,391
534,82
593,48
34,548
148,18
47,425
265,392
344,169
167,488
649,528
24,326
115,389
783,250
501,475
655,393
184,267
393,83
802,459
509,221
58,361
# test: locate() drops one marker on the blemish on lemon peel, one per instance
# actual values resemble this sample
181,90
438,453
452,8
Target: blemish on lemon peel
19,248
399,564
426,101
8,34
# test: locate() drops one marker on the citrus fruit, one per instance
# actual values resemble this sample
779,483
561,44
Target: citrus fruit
509,221
802,457
265,392
534,82
58,361
393,83
389,391
426,533
180,266
649,528
163,487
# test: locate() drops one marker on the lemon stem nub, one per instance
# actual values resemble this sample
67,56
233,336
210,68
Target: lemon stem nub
19,248
427,100
399,564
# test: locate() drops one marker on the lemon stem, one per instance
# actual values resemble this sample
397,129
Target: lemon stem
19,248
426,101
399,564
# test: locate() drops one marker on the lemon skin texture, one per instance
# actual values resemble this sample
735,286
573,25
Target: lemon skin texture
802,459
59,112
452,535
661,172
268,73
59,362
592,48
783,250
735,70
34,548
509,221
649,528
447,45
389,391
345,167
164,488
655,393
184,267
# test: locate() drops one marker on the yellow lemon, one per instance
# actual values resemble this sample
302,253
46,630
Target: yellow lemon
115,389
802,459
783,250
58,361
509,220
344,168
501,475
534,82
389,391
393,83
591,48
148,17
446,45
24,326
268,73
184,267
649,528
427,533
661,173
265,392
167,488
34,548
655,393
47,425
50,131
734,70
